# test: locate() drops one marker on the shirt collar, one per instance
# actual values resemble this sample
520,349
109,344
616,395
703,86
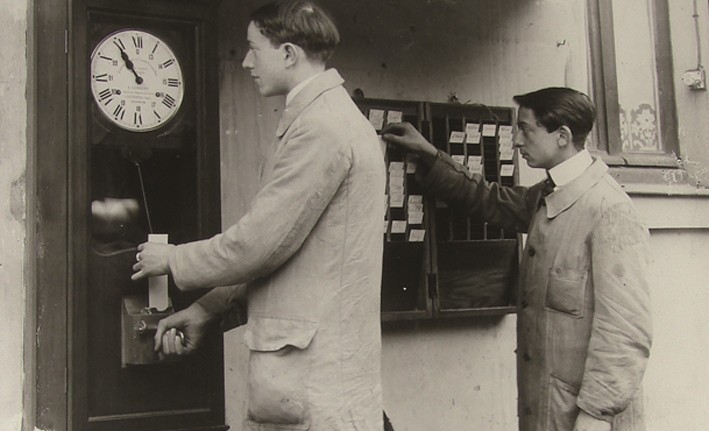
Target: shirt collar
295,90
570,169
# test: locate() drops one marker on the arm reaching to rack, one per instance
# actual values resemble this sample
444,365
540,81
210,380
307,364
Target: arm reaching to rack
407,137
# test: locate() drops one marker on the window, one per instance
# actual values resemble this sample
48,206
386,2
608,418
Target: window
632,83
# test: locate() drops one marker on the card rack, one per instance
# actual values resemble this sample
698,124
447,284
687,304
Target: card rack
438,262
406,249
475,263
479,138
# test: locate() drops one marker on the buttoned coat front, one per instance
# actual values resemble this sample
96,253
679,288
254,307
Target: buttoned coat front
310,249
584,328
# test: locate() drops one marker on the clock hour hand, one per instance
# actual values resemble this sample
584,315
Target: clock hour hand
129,65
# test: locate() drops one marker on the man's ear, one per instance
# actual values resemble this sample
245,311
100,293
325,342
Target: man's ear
566,136
290,54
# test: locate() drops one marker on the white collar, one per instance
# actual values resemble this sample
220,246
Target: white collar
295,90
570,169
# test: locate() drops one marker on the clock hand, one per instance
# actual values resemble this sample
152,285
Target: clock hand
129,65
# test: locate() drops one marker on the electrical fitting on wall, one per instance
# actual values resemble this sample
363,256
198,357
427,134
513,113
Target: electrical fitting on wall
695,78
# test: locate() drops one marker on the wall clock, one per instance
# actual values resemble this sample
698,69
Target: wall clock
136,80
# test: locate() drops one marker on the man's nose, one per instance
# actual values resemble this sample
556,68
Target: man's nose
247,63
516,140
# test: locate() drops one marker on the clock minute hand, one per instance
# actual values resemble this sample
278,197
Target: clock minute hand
129,65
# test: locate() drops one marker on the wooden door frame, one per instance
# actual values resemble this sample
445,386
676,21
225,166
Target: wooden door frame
46,403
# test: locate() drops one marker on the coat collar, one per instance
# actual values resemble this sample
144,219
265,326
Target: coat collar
320,84
565,196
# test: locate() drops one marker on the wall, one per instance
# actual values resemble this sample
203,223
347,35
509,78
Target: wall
483,51
450,375
692,106
13,142
675,389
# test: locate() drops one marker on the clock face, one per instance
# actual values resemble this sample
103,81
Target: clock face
136,80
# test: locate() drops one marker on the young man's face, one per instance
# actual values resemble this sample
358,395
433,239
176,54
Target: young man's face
537,146
266,63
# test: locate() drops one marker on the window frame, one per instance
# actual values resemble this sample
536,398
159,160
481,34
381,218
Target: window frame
604,85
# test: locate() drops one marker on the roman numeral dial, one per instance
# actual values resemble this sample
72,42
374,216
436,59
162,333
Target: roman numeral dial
136,80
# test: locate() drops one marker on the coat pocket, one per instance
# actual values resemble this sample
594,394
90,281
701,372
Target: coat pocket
566,291
279,370
561,411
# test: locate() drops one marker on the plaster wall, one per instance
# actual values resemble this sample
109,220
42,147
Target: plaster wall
13,142
689,49
675,381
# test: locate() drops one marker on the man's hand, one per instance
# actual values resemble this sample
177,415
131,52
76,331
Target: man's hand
586,422
192,323
407,137
152,259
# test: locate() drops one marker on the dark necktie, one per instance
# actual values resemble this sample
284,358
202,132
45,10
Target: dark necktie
547,188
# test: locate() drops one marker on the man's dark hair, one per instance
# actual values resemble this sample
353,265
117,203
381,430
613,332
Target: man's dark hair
300,22
559,106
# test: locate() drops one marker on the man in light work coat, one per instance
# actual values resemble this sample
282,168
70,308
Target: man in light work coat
310,248
584,329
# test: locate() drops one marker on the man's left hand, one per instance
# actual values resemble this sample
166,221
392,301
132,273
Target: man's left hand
586,422
152,259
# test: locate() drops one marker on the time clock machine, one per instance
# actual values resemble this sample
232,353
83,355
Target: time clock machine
143,158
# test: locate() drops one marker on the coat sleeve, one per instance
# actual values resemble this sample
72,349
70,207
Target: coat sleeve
228,302
505,207
621,330
307,173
